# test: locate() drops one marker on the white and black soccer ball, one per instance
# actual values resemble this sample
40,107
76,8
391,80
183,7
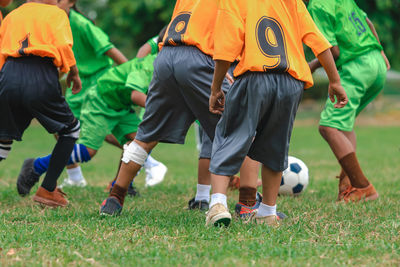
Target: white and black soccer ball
294,178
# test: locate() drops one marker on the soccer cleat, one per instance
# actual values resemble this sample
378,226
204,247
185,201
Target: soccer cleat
52,199
244,212
69,182
354,194
110,207
218,215
344,185
271,220
27,177
155,174
198,205
132,191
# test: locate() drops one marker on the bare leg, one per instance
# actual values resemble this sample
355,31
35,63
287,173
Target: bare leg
219,184
271,181
203,174
343,146
113,141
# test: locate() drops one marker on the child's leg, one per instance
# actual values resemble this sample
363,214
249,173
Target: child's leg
344,151
5,148
133,159
271,183
248,182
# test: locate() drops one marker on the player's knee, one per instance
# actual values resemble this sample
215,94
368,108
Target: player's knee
92,152
5,148
323,131
72,131
134,152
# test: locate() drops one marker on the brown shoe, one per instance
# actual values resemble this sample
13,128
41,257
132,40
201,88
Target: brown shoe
52,199
344,185
361,194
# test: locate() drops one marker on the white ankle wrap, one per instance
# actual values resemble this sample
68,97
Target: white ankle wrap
134,152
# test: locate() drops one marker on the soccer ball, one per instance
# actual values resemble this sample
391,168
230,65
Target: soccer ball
294,178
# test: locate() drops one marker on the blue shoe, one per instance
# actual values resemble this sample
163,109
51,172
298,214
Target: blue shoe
110,207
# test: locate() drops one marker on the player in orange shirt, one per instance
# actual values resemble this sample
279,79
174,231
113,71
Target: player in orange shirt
271,76
29,88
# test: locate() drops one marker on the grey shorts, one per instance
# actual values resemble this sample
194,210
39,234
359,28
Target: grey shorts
260,109
178,95
205,145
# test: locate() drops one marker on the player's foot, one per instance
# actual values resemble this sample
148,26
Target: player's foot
344,185
27,177
110,207
52,199
155,174
132,191
218,215
198,205
244,212
354,194
234,182
69,182
271,220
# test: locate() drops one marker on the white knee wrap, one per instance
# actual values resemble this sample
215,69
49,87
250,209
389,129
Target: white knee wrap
134,152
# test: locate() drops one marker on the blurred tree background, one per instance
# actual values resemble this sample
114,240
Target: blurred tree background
130,23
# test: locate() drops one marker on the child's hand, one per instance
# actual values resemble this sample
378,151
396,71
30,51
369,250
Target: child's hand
76,83
229,78
73,77
336,89
217,101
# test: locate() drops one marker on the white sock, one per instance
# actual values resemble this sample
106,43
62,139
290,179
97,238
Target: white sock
218,198
265,210
203,192
150,162
75,174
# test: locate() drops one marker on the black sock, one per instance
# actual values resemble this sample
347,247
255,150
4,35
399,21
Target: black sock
60,156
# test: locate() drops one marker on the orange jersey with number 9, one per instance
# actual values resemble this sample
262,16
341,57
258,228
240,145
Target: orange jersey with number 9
268,35
40,30
193,23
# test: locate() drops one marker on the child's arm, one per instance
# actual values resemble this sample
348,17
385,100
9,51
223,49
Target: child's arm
315,64
217,97
335,88
371,26
73,76
138,98
116,55
144,50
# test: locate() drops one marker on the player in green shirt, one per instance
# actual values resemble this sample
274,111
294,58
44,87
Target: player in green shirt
362,66
109,109
94,54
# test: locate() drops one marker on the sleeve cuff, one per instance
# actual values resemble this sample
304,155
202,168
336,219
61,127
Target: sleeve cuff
104,49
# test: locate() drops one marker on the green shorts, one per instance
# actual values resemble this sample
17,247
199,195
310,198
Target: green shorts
98,120
75,102
363,79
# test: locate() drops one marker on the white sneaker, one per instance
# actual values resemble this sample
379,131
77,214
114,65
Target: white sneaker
218,215
155,174
68,182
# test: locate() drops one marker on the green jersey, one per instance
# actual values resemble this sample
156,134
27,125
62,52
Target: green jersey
90,44
153,42
116,85
344,24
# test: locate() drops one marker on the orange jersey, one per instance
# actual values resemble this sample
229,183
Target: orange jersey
193,23
40,30
268,36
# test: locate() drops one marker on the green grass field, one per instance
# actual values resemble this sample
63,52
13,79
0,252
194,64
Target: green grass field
155,229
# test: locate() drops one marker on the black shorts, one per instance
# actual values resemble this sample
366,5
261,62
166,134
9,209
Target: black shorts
260,109
29,88
178,95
